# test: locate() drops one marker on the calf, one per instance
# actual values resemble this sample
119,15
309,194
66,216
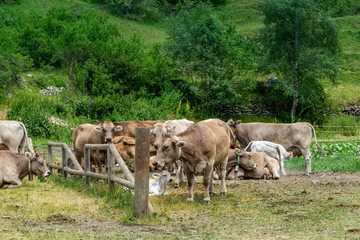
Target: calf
15,166
201,147
271,149
158,184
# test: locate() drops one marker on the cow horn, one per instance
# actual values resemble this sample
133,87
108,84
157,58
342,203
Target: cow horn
239,152
181,144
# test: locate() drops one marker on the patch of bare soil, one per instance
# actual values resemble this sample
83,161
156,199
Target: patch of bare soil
3,113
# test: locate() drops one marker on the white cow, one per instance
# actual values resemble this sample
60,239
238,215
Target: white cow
158,184
172,127
271,149
13,136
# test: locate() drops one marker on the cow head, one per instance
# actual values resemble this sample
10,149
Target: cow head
158,131
169,150
108,130
37,165
245,160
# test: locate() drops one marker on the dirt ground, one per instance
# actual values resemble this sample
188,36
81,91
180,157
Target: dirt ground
319,206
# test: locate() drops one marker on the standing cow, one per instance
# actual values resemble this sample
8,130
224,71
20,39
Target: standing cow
15,166
173,127
94,134
291,136
201,147
13,136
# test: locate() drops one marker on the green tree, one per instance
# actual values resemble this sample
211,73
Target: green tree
301,47
207,50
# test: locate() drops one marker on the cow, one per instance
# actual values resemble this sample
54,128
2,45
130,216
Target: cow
237,161
126,148
201,147
13,136
172,127
14,167
93,134
129,127
266,166
291,136
158,184
271,149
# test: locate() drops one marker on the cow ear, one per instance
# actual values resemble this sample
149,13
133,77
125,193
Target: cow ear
28,155
291,154
118,128
99,129
152,132
239,152
170,129
181,144
238,122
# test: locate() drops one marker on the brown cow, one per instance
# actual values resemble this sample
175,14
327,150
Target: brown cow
94,134
15,166
238,158
201,147
128,127
173,127
126,148
291,136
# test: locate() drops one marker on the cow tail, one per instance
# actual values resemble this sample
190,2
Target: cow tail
278,150
232,136
25,138
316,143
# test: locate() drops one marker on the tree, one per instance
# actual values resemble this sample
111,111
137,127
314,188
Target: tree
301,46
206,49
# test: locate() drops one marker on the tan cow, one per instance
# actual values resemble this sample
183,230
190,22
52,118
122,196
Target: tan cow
15,166
173,127
265,166
129,127
201,147
126,148
13,136
291,136
94,134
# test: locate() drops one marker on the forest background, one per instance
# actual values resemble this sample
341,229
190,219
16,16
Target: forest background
271,61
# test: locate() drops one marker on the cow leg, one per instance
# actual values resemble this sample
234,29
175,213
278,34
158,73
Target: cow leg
273,166
178,169
282,169
13,183
223,177
191,181
207,180
307,156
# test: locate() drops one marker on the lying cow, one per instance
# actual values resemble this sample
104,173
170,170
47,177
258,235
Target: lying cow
172,127
158,184
291,136
15,166
126,148
201,147
13,136
271,149
266,166
94,134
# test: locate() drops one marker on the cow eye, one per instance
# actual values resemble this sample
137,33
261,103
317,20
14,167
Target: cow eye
166,147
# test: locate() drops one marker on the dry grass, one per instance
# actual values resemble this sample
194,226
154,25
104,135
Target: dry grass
294,207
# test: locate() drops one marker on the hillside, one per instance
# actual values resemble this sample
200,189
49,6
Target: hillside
152,30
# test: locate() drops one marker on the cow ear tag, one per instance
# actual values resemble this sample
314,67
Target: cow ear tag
155,177
98,129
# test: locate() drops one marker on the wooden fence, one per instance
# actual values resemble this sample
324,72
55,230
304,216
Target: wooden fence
112,154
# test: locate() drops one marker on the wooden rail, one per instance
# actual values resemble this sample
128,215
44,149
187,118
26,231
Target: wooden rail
112,154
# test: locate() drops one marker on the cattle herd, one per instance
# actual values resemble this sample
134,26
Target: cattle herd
212,148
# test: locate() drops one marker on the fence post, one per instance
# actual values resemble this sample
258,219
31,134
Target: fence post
141,193
64,161
87,165
111,170
50,159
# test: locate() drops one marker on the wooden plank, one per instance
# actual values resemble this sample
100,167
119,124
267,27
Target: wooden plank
72,156
141,193
87,165
50,158
111,171
121,163
64,160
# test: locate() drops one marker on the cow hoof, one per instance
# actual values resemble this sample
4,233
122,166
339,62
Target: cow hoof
207,202
223,194
276,176
190,199
176,185
211,194
306,174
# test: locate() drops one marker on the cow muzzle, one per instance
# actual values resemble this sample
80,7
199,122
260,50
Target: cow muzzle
108,140
47,173
156,146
